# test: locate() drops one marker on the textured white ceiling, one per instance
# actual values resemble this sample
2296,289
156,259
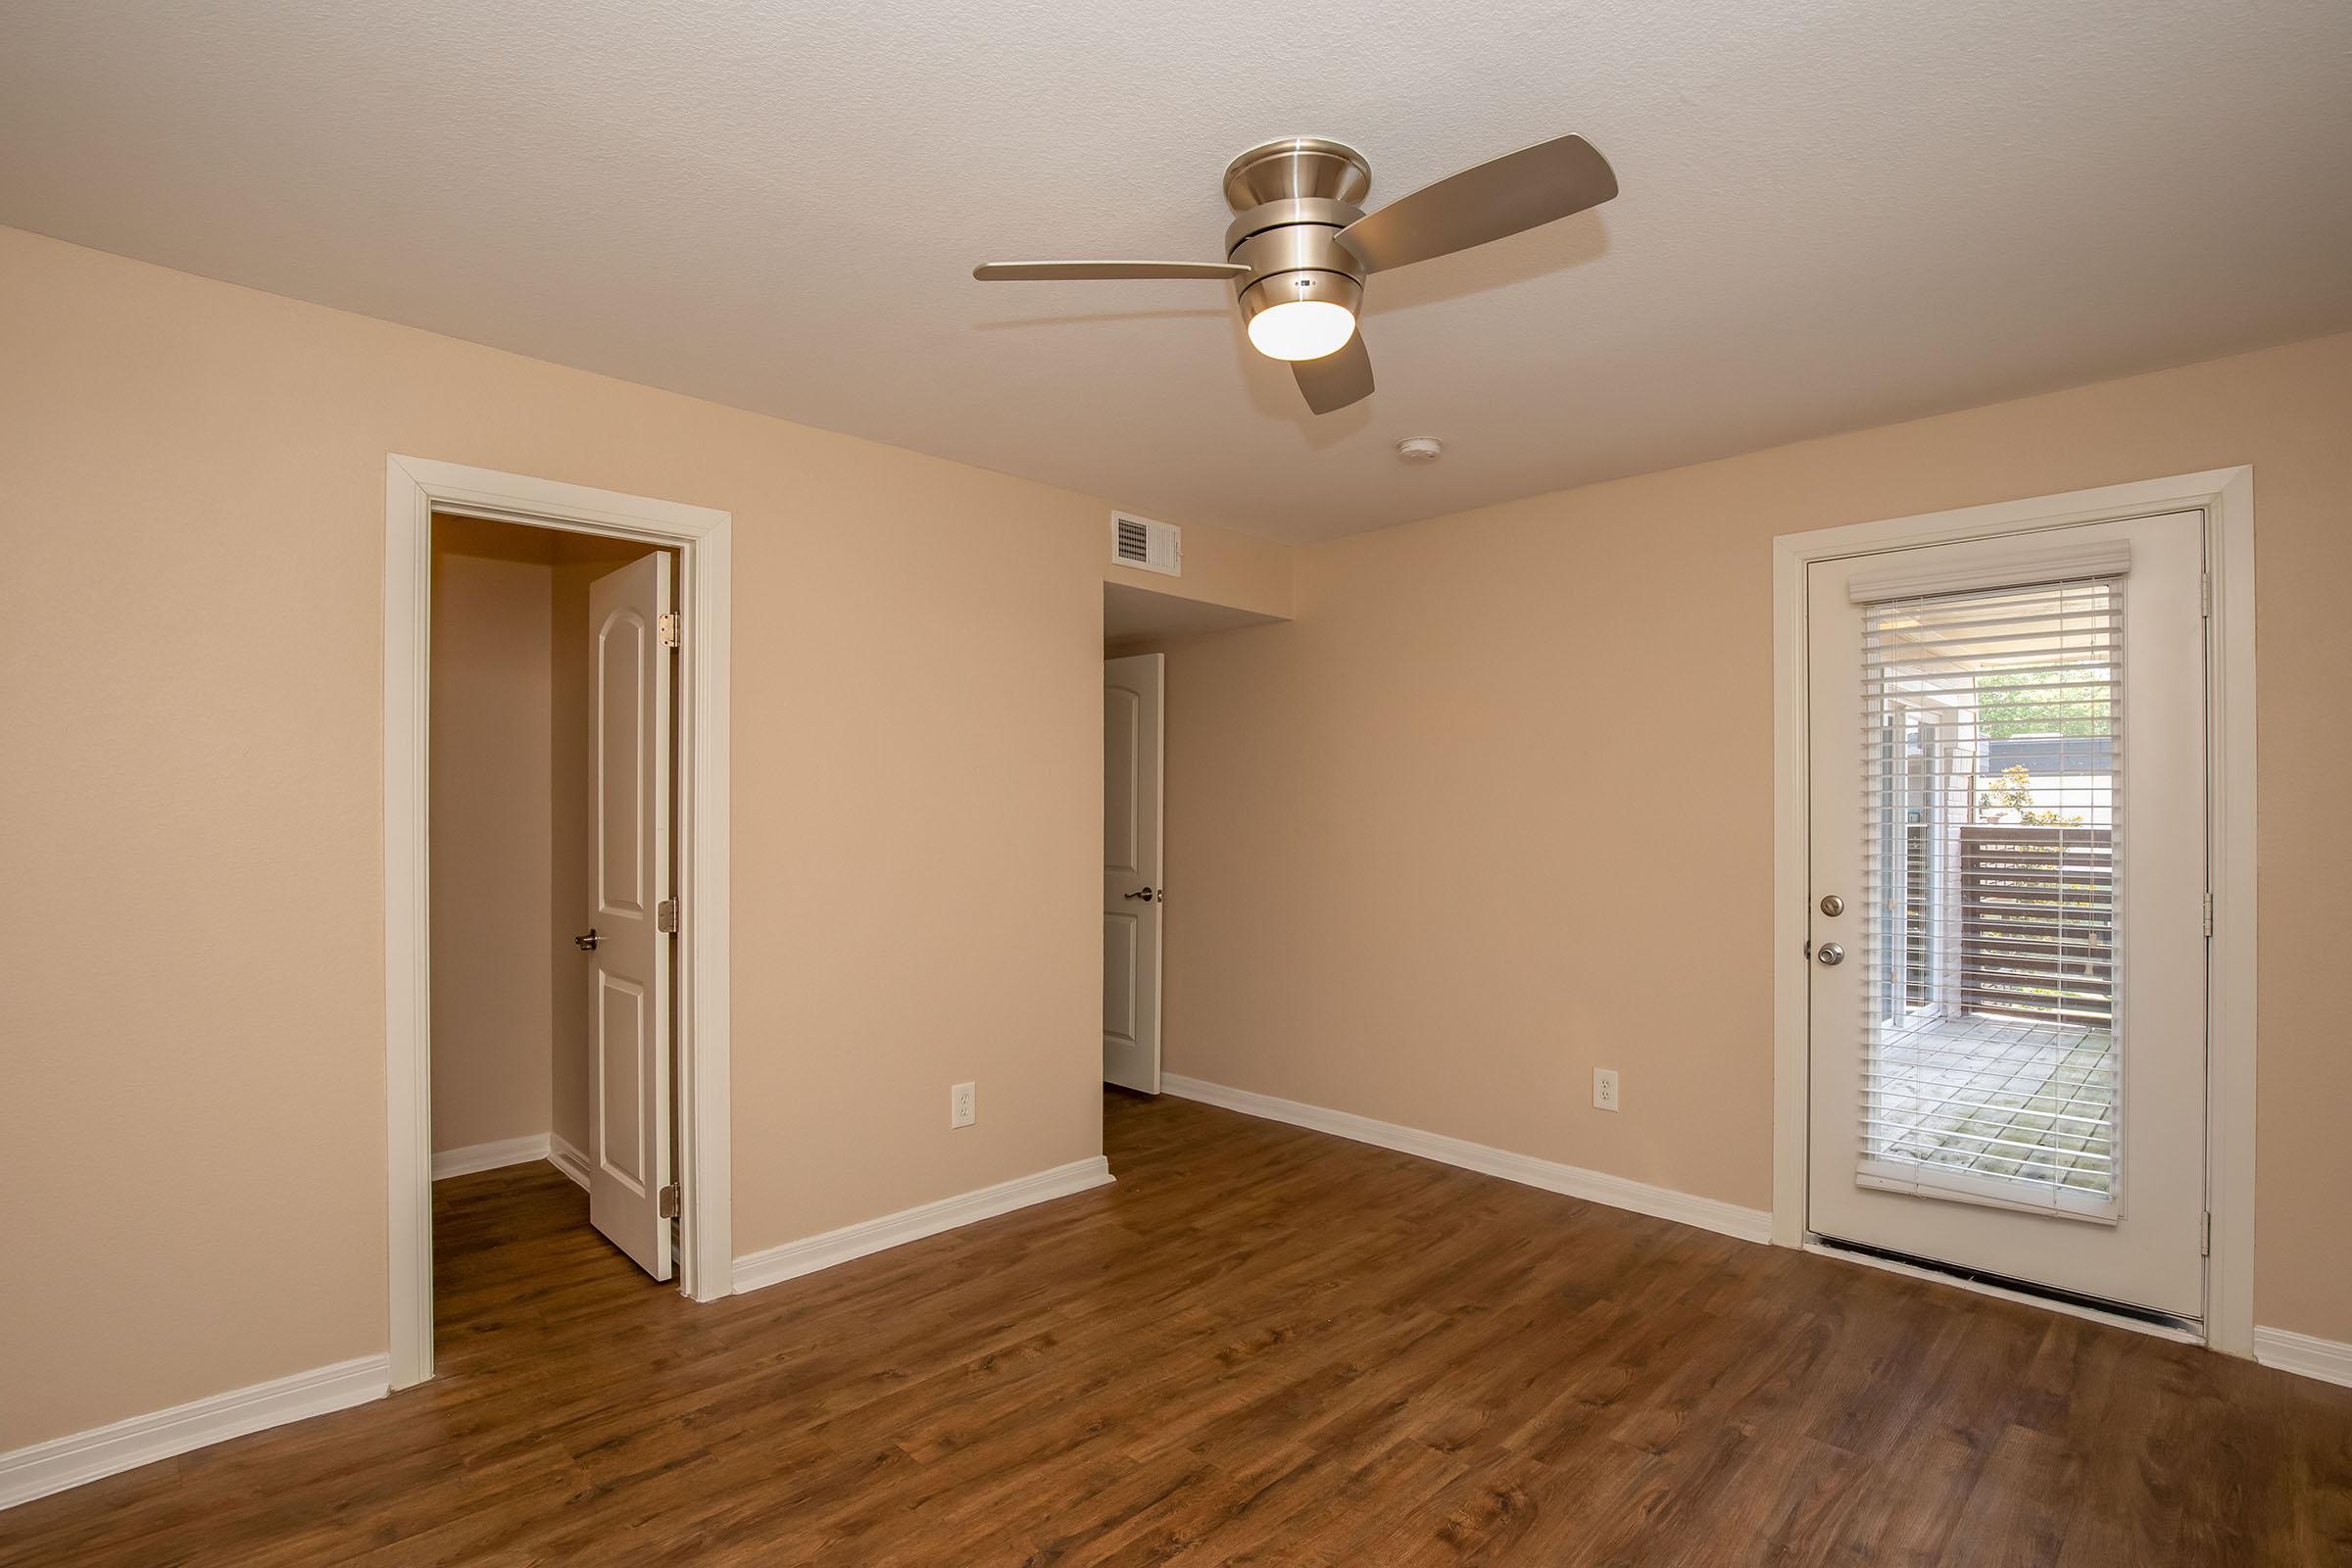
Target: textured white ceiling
1835,213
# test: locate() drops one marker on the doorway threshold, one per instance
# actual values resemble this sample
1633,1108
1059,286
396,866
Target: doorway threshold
2099,1310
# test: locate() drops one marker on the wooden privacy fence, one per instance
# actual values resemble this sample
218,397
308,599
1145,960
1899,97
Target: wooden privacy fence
2037,923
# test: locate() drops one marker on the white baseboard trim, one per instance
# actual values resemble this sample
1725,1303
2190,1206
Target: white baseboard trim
567,1157
2329,1360
776,1264
1659,1202
69,1461
448,1162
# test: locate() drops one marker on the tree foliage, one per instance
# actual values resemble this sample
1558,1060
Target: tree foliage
2015,792
2012,704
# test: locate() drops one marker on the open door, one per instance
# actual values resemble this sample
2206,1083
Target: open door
1132,894
628,1005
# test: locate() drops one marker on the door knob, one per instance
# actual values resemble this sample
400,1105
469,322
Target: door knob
1830,953
1145,894
586,944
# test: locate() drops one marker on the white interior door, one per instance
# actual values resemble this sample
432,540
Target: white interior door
1133,895
2007,751
628,1007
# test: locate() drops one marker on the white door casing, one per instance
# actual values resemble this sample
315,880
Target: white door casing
1133,892
700,542
2149,1252
630,878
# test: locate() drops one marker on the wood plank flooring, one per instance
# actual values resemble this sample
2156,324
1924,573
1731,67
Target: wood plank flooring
1261,1346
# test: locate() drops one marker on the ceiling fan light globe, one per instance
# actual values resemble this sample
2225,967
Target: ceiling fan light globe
1302,330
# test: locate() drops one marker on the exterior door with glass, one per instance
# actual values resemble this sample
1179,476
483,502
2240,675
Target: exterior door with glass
2008,815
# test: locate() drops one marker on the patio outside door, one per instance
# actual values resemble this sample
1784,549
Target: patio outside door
2008,780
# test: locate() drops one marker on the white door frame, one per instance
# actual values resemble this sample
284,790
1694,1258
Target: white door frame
2227,498
415,489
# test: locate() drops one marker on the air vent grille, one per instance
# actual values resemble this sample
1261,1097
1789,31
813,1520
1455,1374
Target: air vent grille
1146,545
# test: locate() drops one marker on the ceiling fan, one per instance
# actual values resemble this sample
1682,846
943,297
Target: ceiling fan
1301,248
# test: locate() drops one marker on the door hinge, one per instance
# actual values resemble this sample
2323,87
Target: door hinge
669,1201
670,637
2205,1242
2205,594
2209,914
666,916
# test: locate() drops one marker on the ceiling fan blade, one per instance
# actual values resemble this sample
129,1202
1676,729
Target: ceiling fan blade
1100,271
1485,201
1338,378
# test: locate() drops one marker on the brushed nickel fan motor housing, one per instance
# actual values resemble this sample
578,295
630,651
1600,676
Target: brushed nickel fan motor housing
1292,197
1294,166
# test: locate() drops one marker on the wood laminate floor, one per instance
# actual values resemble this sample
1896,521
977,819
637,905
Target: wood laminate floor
1261,1346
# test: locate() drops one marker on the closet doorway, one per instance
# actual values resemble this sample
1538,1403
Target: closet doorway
553,884
555,865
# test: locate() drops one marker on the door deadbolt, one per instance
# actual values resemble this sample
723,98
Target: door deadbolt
1831,954
1832,904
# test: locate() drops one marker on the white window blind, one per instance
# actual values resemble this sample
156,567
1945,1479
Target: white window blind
1993,810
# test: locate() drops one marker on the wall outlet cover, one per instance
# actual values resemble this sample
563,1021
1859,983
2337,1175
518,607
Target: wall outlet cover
964,1105
1604,1089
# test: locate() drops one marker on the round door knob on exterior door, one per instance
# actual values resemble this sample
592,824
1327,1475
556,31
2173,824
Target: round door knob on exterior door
1830,953
586,944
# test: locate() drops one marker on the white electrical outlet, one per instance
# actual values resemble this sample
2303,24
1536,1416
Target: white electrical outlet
964,1105
1604,1089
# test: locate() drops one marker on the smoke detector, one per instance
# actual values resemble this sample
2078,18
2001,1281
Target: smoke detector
1419,449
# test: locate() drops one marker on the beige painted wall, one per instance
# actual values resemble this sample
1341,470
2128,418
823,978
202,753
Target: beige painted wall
1496,807
493,964
202,1063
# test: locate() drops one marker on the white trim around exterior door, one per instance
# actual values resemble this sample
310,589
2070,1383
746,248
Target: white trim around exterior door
415,489
2225,497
